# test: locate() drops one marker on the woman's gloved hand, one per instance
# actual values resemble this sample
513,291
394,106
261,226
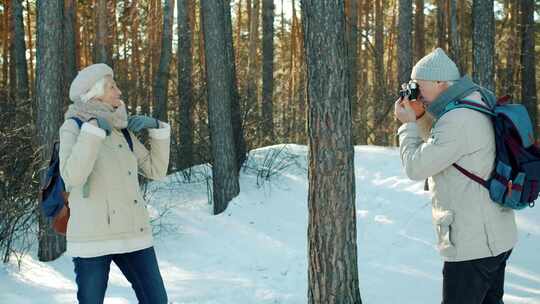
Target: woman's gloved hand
101,123
138,122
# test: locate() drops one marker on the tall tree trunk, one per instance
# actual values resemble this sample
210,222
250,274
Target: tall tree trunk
379,136
352,44
21,67
441,25
419,30
185,85
252,58
70,46
49,100
236,113
5,44
219,82
161,85
136,59
528,61
102,35
455,41
364,90
483,43
404,42
510,52
268,72
332,270
29,28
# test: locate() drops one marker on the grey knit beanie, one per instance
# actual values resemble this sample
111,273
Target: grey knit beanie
435,66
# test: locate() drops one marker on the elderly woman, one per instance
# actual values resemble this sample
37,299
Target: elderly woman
108,216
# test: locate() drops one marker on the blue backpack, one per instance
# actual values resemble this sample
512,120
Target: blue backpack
53,196
515,180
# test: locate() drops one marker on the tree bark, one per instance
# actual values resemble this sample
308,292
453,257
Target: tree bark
419,30
219,82
49,100
100,48
441,25
161,85
252,58
528,61
455,41
18,44
332,270
70,46
268,72
185,85
236,113
352,43
483,43
404,42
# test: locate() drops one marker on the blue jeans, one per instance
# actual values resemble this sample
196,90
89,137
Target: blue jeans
139,267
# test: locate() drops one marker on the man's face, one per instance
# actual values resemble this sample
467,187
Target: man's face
430,90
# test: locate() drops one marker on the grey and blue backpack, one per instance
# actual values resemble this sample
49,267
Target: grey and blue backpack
515,180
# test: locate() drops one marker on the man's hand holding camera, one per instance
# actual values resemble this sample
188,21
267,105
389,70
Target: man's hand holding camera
408,108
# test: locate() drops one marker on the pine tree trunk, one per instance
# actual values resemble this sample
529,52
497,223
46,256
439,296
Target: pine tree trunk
100,47
5,44
252,58
364,89
404,43
441,28
483,43
268,72
136,59
161,85
352,43
419,30
379,77
49,100
528,61
219,82
185,85
21,67
70,47
455,41
236,113
29,34
332,270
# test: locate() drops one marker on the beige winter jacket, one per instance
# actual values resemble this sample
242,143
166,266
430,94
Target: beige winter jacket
105,170
468,224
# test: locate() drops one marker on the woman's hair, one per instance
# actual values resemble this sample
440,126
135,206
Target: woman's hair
96,91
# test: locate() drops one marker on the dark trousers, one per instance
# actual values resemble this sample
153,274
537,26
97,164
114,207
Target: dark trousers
478,281
139,267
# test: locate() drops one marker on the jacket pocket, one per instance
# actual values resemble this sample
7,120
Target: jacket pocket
443,220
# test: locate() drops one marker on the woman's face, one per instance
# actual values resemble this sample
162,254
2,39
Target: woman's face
111,93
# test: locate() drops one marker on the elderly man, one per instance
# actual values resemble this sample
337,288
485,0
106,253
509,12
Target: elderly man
474,235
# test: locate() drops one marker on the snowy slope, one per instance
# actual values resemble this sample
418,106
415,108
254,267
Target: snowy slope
255,252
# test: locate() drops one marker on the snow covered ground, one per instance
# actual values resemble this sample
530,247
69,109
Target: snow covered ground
255,252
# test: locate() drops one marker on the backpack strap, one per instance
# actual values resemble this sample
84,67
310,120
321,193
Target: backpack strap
127,136
78,121
472,176
465,103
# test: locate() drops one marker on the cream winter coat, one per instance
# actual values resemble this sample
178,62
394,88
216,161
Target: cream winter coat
112,207
468,224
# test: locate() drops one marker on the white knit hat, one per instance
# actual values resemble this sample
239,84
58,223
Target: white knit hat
435,66
86,78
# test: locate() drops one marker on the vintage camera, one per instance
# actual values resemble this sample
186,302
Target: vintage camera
409,90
